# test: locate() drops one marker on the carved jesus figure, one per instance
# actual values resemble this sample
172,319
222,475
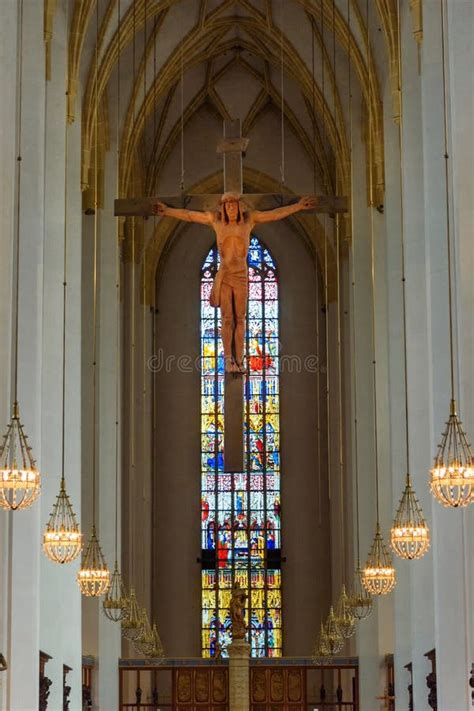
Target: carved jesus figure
237,610
233,225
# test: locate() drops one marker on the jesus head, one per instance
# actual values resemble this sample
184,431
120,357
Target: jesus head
231,210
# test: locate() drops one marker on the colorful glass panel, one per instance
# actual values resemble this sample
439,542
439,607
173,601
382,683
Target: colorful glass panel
240,513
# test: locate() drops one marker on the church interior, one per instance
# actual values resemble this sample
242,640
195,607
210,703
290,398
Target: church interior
224,487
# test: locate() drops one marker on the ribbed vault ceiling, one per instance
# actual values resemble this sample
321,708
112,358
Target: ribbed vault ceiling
234,56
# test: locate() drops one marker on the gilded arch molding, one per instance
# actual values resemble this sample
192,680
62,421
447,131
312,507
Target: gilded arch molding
259,22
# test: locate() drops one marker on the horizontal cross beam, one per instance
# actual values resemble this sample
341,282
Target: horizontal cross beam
143,207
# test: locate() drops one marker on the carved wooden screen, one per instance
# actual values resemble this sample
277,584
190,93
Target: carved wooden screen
278,689
200,689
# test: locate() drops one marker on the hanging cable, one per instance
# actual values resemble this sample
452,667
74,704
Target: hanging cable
94,576
409,535
116,603
360,600
62,539
379,573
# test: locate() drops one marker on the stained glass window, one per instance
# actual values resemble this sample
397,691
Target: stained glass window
240,513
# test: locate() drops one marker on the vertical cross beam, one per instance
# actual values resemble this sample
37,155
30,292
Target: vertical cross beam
232,146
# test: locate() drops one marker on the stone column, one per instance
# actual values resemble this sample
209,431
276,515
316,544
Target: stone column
450,544
367,639
109,637
24,572
239,675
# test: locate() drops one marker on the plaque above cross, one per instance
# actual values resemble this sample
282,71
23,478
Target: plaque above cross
232,224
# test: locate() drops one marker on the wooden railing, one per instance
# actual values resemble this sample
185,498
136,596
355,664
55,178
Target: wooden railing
274,684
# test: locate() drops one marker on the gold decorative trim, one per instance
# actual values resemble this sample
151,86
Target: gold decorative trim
416,7
49,10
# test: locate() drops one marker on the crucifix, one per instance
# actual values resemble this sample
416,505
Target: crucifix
232,216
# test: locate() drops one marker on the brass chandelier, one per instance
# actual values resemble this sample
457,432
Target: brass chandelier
115,603
62,539
155,650
333,638
409,535
94,575
452,474
345,618
144,641
321,648
360,600
20,480
378,575
132,621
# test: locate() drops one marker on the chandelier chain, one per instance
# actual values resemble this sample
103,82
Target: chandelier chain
66,145
372,259
338,316
117,288
402,240
18,196
353,286
94,317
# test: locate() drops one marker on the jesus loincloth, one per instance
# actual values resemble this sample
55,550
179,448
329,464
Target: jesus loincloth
234,279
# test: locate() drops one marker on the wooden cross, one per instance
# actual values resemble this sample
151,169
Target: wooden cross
232,146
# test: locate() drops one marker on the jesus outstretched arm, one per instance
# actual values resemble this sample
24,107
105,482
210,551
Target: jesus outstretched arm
203,218
279,213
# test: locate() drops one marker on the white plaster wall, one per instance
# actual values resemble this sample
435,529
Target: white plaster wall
23,648
8,20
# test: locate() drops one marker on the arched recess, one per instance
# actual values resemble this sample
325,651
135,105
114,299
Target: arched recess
176,575
205,39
